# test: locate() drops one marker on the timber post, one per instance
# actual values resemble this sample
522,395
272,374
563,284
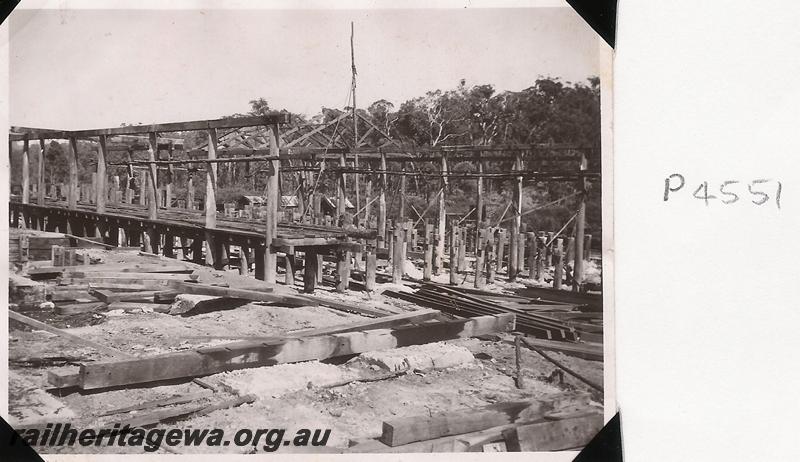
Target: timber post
271,225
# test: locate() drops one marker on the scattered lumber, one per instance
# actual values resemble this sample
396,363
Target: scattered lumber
125,276
452,301
346,307
185,412
592,352
247,354
111,283
395,320
454,443
114,268
245,294
417,428
554,435
78,308
135,306
62,381
162,402
143,296
42,326
589,302
45,361
367,324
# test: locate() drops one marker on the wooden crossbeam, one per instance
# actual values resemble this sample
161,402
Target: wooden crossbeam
235,122
247,354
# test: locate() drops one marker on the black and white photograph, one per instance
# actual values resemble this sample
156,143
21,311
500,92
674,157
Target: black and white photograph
308,229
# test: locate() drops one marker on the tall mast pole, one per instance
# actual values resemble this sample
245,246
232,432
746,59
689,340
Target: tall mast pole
355,119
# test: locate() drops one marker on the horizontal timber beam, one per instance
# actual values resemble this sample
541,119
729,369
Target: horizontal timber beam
273,118
247,354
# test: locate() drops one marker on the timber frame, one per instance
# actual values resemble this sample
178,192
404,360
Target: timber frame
306,151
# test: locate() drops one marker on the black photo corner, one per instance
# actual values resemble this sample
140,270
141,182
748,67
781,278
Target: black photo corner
601,15
606,446
13,448
6,7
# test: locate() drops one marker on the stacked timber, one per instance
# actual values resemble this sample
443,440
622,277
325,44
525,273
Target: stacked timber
469,304
29,245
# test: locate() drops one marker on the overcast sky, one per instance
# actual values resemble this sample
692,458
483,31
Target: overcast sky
98,68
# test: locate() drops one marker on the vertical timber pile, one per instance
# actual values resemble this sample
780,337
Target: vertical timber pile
382,205
72,185
152,189
190,189
453,254
170,174
271,222
26,174
368,198
211,198
558,262
402,215
580,223
428,247
513,255
397,254
438,262
479,198
101,191
341,205
72,188
40,178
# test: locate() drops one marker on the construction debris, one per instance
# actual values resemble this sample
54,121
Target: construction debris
370,346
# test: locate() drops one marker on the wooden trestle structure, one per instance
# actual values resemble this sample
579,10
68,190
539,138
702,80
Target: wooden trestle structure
179,229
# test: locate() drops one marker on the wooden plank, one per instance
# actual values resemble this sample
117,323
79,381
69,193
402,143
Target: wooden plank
406,430
114,267
60,294
184,412
233,122
245,294
246,354
361,325
141,296
169,401
449,444
581,350
346,307
367,324
126,276
121,284
76,308
135,306
62,380
555,435
74,338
